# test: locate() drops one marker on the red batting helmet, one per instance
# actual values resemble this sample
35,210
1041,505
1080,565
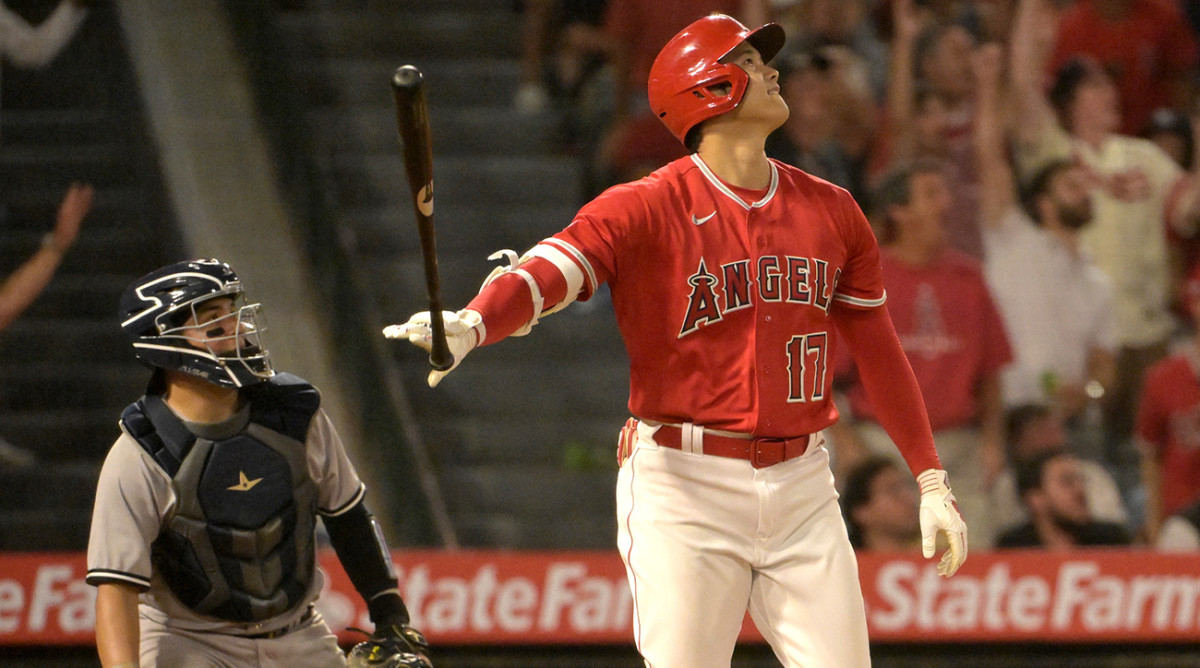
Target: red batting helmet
686,68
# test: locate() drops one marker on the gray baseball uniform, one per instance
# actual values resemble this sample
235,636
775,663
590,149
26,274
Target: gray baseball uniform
135,502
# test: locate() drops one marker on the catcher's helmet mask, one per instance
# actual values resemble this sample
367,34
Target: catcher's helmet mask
690,84
156,310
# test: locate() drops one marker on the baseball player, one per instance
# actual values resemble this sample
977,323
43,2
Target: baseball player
203,534
728,272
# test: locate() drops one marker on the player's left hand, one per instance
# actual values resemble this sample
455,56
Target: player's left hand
391,646
939,514
462,336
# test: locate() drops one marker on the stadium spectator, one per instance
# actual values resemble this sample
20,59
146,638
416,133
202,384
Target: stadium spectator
533,96
1057,306
930,110
32,47
1175,134
1172,131
1137,191
1051,487
814,24
832,121
1034,429
1168,426
1180,532
562,47
639,146
879,501
1144,45
989,20
23,286
952,334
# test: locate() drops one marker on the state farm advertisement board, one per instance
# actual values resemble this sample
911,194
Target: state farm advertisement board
493,597
503,597
1095,596
44,600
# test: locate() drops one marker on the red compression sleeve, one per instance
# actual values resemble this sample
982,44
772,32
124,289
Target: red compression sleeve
890,384
506,304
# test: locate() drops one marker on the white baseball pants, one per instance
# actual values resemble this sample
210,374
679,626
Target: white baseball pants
705,538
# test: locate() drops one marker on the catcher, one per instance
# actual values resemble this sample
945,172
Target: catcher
203,538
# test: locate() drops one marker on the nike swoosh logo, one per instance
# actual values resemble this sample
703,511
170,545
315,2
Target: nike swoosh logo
701,221
244,483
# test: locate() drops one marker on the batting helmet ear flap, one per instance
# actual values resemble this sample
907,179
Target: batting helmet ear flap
687,80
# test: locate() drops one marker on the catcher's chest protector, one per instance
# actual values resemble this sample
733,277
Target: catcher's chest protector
239,545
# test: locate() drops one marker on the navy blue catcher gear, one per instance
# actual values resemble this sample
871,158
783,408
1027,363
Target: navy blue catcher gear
159,314
240,553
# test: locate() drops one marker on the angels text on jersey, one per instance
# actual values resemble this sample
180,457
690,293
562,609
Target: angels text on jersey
792,280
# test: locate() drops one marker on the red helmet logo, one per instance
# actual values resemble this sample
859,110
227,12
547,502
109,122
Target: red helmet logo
689,66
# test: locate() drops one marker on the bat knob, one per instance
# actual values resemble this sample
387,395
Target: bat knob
441,361
407,76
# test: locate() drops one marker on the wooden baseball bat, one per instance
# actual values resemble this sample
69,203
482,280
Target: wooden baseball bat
412,120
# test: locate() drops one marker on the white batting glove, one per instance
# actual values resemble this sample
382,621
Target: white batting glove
464,331
939,513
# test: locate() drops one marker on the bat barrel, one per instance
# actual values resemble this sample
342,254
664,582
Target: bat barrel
412,119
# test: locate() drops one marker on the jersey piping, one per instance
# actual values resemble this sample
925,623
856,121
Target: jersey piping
578,257
362,491
98,576
860,302
719,185
568,265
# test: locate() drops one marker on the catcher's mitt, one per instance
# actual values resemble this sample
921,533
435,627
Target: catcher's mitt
393,646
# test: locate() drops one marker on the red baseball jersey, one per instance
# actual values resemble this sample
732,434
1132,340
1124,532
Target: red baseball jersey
723,295
1168,422
950,330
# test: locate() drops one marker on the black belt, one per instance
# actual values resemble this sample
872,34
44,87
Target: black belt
282,631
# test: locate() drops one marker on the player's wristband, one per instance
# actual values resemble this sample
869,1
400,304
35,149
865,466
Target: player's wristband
387,609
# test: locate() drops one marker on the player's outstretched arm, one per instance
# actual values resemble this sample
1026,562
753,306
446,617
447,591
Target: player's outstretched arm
893,391
507,305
